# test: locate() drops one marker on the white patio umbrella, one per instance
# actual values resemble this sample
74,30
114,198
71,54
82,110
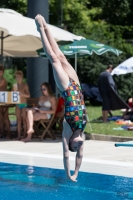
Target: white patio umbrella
124,68
19,37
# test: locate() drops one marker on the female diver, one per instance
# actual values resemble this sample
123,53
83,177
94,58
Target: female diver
68,83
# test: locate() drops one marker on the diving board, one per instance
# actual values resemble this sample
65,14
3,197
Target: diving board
124,144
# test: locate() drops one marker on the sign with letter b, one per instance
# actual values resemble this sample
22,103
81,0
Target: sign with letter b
15,97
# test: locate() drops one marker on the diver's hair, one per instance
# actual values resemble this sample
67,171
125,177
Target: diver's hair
47,85
110,67
1,67
70,148
20,73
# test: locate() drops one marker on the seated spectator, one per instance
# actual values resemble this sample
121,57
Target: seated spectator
47,106
128,114
4,118
130,103
21,108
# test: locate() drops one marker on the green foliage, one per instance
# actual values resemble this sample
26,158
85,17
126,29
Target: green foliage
9,76
118,12
17,5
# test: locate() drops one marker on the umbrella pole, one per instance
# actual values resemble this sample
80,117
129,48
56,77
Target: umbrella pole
76,62
2,33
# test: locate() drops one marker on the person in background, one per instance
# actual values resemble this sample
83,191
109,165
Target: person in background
4,118
128,114
24,94
46,106
108,91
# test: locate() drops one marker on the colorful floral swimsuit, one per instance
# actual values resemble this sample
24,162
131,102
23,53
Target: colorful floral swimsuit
75,111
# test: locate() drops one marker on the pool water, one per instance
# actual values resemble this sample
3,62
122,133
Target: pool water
36,183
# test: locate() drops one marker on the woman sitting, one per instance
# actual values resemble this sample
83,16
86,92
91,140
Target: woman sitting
128,114
47,106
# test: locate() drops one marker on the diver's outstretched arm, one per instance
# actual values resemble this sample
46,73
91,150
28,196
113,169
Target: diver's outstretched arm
66,134
65,141
78,162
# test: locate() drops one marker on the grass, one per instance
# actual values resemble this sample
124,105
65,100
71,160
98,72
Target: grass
104,128
12,111
94,112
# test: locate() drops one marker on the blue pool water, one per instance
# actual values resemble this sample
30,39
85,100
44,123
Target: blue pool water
20,182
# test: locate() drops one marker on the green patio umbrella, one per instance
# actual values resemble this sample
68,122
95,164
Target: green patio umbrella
82,48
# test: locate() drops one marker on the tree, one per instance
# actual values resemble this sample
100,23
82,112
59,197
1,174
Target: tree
108,22
76,15
17,5
117,12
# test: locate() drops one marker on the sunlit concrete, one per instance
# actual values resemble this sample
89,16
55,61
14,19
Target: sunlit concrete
99,156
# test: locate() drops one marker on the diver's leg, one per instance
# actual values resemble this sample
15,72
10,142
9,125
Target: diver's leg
65,64
78,161
61,77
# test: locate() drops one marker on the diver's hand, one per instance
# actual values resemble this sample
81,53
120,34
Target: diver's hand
72,178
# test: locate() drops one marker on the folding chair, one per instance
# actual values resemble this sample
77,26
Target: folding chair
36,128
58,121
47,125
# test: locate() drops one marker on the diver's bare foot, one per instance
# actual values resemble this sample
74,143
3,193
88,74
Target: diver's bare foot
44,23
27,139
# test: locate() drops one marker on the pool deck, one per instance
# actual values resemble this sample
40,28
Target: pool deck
99,156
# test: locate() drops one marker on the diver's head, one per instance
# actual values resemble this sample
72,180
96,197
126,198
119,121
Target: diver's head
75,141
